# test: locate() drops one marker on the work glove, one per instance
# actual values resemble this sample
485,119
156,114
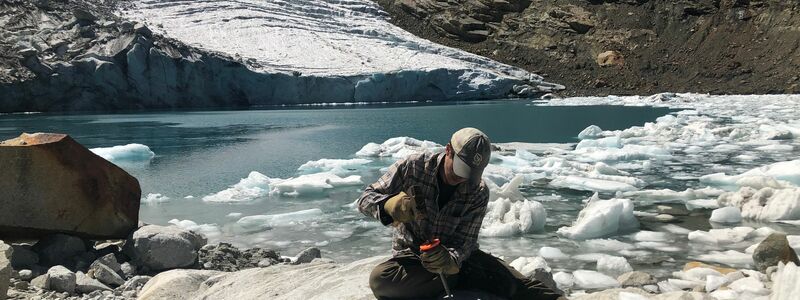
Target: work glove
438,260
400,207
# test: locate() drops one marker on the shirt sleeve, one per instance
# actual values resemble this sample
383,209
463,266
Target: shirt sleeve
468,228
375,195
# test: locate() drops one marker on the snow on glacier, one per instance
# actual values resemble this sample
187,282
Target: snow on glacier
350,43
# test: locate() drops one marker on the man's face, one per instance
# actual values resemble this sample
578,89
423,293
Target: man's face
449,176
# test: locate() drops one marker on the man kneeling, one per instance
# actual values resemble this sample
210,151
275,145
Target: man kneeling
441,196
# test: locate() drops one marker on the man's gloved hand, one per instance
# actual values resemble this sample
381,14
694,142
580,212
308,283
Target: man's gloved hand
400,207
439,260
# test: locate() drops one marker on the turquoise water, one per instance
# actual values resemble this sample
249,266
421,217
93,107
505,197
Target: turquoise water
203,152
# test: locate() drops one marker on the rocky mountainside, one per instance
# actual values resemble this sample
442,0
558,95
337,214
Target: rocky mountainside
624,46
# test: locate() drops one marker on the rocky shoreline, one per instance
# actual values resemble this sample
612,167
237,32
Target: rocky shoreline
159,262
61,266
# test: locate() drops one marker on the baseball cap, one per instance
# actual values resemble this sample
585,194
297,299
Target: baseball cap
472,152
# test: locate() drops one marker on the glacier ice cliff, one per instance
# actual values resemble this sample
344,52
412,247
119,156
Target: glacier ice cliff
92,55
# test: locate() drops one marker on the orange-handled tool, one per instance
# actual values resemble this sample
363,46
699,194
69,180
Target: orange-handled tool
428,246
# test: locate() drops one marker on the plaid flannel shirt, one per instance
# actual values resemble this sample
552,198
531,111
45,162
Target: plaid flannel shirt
456,225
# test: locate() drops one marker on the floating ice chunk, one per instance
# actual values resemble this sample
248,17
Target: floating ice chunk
585,279
591,184
154,199
234,215
651,236
630,296
211,231
684,284
591,132
667,195
696,274
255,186
399,147
606,245
335,166
786,171
731,257
607,142
726,295
528,265
552,253
590,257
722,236
262,222
726,215
130,153
713,282
564,281
526,155
507,218
626,153
313,183
785,281
510,190
613,266
672,228
702,204
776,148
602,218
512,162
765,204
749,285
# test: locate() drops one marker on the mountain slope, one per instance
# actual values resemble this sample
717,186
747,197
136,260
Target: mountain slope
650,46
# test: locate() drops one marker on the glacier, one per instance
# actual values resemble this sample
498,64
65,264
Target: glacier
332,51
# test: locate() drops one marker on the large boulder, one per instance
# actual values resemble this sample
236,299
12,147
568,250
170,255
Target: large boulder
51,183
5,269
319,279
156,248
62,279
774,249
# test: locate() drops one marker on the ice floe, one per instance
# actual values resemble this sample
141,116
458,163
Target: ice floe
765,204
398,147
126,154
262,222
211,231
335,166
586,279
255,186
602,218
507,218
528,265
726,215
154,198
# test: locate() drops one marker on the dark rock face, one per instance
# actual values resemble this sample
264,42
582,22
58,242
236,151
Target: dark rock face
720,47
774,249
225,257
53,184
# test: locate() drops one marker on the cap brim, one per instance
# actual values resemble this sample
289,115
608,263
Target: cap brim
461,168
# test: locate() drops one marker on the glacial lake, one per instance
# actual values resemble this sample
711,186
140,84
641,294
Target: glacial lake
201,153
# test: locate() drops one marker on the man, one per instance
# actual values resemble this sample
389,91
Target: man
450,205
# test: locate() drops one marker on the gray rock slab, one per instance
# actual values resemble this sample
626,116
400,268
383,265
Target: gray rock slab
175,284
306,256
5,269
158,248
62,279
41,282
636,278
106,275
85,284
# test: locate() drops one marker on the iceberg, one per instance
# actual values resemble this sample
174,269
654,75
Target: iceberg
399,147
335,166
126,154
765,204
507,218
255,186
601,218
313,183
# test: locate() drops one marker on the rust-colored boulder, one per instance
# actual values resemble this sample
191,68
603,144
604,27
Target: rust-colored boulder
51,183
610,58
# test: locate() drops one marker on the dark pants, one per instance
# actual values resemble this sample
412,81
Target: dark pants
403,277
